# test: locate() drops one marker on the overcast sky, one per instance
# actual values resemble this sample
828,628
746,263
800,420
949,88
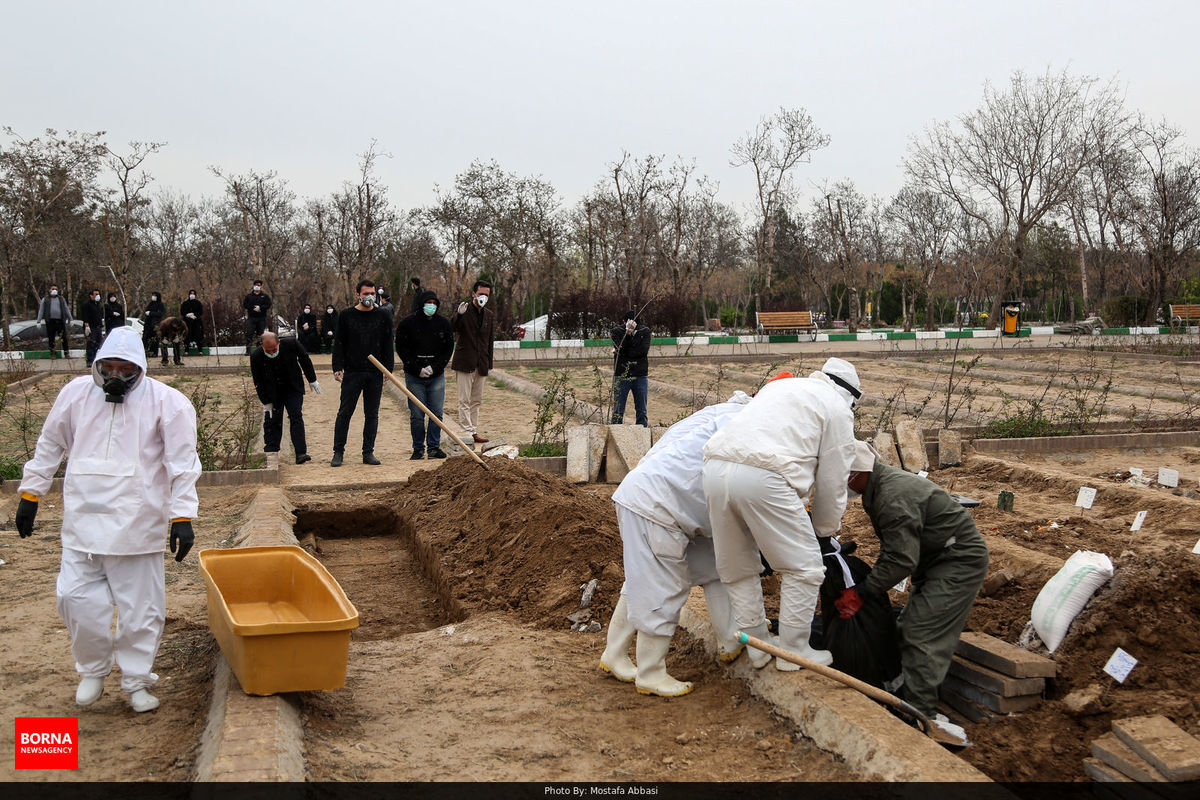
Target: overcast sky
557,89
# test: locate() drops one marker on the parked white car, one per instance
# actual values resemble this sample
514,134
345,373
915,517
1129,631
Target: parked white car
534,330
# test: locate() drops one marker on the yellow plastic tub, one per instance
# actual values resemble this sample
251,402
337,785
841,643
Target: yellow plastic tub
281,619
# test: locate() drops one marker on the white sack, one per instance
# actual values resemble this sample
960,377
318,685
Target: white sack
1065,595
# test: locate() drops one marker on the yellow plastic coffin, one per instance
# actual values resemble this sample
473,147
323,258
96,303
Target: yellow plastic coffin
281,619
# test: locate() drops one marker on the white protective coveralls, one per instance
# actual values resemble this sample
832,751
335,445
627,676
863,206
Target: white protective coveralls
794,442
665,530
131,470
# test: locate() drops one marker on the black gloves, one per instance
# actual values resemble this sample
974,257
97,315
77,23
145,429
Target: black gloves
26,511
181,535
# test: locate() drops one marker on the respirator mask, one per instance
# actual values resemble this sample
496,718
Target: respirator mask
117,379
482,300
367,300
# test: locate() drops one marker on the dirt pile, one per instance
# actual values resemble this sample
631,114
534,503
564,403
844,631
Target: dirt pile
516,539
1149,609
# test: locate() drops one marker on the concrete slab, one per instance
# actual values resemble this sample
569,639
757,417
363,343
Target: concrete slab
840,720
1004,705
1163,743
626,446
911,446
577,454
949,448
1003,657
995,682
1116,754
885,443
1102,773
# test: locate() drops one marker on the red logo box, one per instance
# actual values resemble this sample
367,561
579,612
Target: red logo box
46,742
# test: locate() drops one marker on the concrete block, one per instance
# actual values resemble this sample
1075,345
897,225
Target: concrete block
1005,705
1116,754
1102,773
885,443
911,446
626,446
949,448
1005,658
1163,743
994,682
972,712
578,449
656,433
597,441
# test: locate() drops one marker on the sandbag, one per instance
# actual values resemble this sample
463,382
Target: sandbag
867,645
1065,595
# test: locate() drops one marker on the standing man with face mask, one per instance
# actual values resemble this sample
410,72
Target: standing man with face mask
93,324
130,445
57,316
424,342
474,326
306,330
328,328
279,368
256,305
152,317
114,314
192,311
362,330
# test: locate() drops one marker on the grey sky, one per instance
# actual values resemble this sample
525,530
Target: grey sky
553,88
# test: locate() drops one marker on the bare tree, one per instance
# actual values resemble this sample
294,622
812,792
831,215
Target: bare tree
924,222
124,216
776,146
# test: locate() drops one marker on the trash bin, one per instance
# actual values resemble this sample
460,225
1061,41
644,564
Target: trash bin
1011,324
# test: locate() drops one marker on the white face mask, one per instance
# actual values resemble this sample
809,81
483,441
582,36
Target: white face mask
54,292
307,310
258,288
482,300
96,298
329,310
192,296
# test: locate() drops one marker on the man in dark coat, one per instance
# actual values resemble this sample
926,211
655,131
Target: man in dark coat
279,368
93,324
328,328
306,330
256,305
362,330
114,314
475,328
192,311
57,316
152,317
424,342
631,344
172,334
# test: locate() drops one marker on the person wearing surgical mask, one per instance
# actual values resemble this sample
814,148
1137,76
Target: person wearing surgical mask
54,311
424,342
256,305
474,326
152,317
924,533
92,315
280,368
362,330
192,313
114,314
129,489
328,328
306,330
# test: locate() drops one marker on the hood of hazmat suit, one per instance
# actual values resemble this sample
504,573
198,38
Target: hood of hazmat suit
666,485
802,429
131,466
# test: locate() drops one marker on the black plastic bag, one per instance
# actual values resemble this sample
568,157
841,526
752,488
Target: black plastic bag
867,645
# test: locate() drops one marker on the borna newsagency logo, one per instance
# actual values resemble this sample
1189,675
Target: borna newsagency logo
46,742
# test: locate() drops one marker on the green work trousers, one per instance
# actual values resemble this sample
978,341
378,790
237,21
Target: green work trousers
943,590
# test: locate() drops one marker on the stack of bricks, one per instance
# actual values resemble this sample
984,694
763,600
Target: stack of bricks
990,677
1144,750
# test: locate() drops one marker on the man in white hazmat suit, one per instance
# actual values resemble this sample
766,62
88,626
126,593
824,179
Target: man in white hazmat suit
795,442
130,444
668,549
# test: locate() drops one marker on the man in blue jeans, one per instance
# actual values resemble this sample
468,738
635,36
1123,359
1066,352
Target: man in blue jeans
362,330
424,342
631,344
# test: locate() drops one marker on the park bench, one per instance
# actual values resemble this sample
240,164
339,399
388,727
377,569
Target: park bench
1182,314
786,322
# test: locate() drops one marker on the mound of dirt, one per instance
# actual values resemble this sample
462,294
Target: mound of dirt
1150,610
516,539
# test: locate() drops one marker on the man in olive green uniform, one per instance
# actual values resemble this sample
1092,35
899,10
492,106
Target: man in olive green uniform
925,533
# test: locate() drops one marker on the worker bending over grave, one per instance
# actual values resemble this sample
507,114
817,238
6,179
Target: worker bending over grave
923,533
130,444
794,443
668,549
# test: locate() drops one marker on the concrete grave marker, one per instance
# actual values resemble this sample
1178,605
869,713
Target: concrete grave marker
1138,519
911,445
885,444
1168,477
1119,665
949,448
626,446
1085,498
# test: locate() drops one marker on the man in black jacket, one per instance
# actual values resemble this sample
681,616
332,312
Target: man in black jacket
57,315
152,317
475,327
424,342
93,324
114,314
256,305
306,330
192,312
631,343
279,368
362,330
328,328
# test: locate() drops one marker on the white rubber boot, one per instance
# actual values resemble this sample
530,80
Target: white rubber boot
720,614
759,658
142,701
652,677
615,658
795,639
89,691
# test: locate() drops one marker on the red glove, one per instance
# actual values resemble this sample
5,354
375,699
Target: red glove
848,604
